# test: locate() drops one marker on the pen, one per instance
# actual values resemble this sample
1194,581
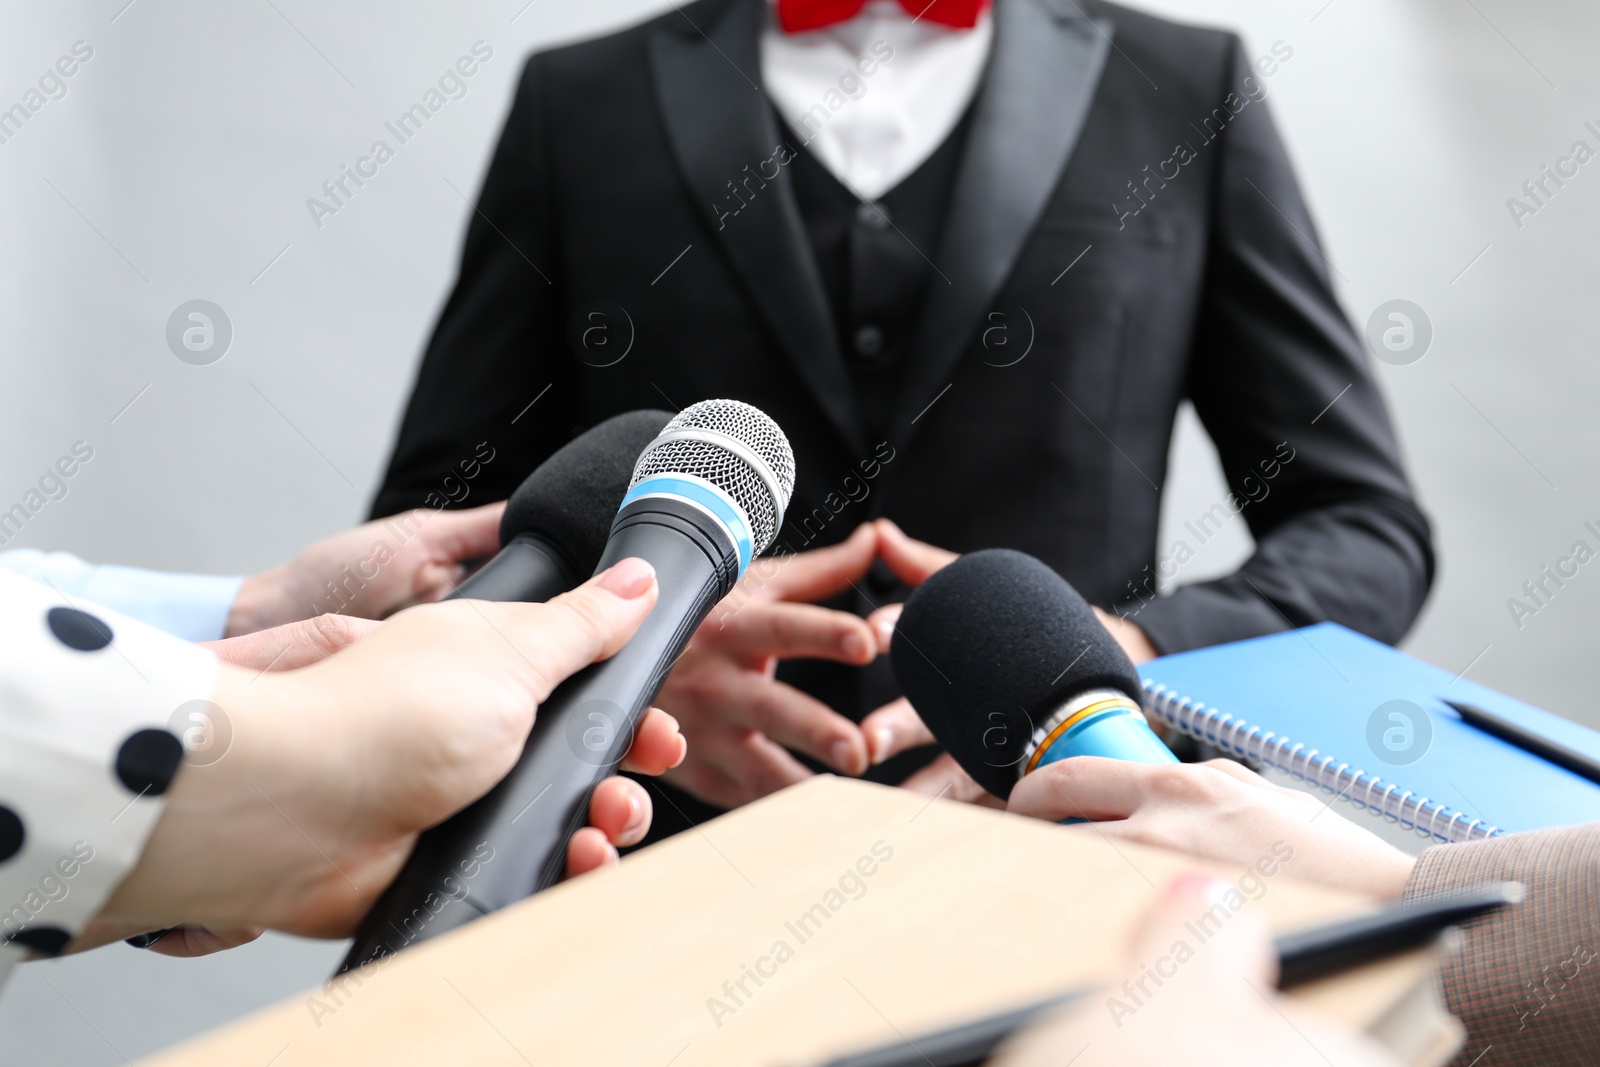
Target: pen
1522,737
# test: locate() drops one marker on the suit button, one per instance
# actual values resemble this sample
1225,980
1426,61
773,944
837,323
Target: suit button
874,218
869,342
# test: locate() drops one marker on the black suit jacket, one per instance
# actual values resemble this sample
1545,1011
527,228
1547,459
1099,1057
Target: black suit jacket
1125,232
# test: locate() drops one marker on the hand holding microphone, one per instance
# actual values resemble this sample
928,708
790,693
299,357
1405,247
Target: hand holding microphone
555,525
706,496
551,532
1011,670
326,773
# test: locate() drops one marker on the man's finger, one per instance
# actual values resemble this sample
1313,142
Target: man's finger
912,561
700,778
754,764
796,720
821,572
882,623
893,729
796,631
1132,640
944,778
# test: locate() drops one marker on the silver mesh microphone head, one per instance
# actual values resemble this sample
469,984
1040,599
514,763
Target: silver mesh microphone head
735,447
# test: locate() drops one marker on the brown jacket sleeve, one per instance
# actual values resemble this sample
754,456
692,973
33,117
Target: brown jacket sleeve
1526,982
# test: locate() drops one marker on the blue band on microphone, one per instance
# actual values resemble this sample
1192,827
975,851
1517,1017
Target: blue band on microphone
1116,733
707,496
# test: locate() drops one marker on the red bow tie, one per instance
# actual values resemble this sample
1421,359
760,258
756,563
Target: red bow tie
798,16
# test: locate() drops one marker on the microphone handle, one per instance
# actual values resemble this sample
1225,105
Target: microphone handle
527,570
512,842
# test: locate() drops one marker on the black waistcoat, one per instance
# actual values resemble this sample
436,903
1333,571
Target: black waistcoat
876,265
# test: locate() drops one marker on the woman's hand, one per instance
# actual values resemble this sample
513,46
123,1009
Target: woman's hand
335,768
292,645
371,571
895,727
1179,1000
1216,810
620,810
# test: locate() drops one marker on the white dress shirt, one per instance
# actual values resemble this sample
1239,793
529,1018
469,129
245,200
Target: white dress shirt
87,699
873,97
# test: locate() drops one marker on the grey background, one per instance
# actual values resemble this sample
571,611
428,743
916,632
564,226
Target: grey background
178,165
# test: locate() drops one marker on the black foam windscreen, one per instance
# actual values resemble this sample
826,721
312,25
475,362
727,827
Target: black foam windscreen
573,497
989,647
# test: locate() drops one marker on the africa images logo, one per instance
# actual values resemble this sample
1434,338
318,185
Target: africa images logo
1399,732
199,332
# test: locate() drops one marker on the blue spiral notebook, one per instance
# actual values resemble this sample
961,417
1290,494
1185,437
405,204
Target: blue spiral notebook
1370,723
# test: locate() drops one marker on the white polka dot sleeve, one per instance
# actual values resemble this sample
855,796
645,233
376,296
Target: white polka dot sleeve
87,699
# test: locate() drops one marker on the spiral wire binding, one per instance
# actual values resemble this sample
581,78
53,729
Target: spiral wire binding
1410,810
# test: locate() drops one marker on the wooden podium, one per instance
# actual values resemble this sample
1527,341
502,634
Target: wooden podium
830,917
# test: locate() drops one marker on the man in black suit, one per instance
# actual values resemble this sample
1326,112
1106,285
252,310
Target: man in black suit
989,346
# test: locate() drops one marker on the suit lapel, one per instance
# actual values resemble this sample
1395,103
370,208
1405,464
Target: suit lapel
723,134
1041,78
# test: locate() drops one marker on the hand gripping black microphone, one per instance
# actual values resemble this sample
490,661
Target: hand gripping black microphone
555,525
706,496
1010,669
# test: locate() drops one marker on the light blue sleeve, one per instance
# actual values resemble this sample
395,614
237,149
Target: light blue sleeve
191,606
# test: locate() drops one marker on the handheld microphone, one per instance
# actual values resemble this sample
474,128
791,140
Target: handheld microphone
706,496
555,525
1010,669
